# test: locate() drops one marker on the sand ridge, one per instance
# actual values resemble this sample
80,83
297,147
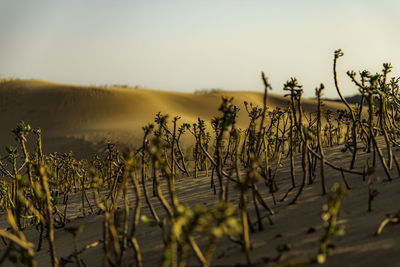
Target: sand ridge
76,116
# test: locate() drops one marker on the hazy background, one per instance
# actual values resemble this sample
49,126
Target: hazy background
187,45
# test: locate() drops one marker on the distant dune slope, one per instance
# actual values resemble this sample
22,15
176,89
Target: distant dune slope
78,117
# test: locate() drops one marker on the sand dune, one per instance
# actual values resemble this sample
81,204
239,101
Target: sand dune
83,118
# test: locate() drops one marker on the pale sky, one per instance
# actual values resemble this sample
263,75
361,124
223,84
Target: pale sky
187,45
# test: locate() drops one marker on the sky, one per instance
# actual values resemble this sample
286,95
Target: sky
189,45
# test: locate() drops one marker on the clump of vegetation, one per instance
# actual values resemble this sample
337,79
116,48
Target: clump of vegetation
208,91
329,216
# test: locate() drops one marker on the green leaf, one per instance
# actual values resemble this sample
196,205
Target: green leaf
148,221
321,258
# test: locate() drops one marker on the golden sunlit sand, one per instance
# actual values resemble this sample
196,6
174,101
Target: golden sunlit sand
82,119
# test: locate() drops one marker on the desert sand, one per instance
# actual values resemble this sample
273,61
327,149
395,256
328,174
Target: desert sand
82,119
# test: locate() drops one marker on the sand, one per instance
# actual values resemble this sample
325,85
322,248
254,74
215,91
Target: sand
82,118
